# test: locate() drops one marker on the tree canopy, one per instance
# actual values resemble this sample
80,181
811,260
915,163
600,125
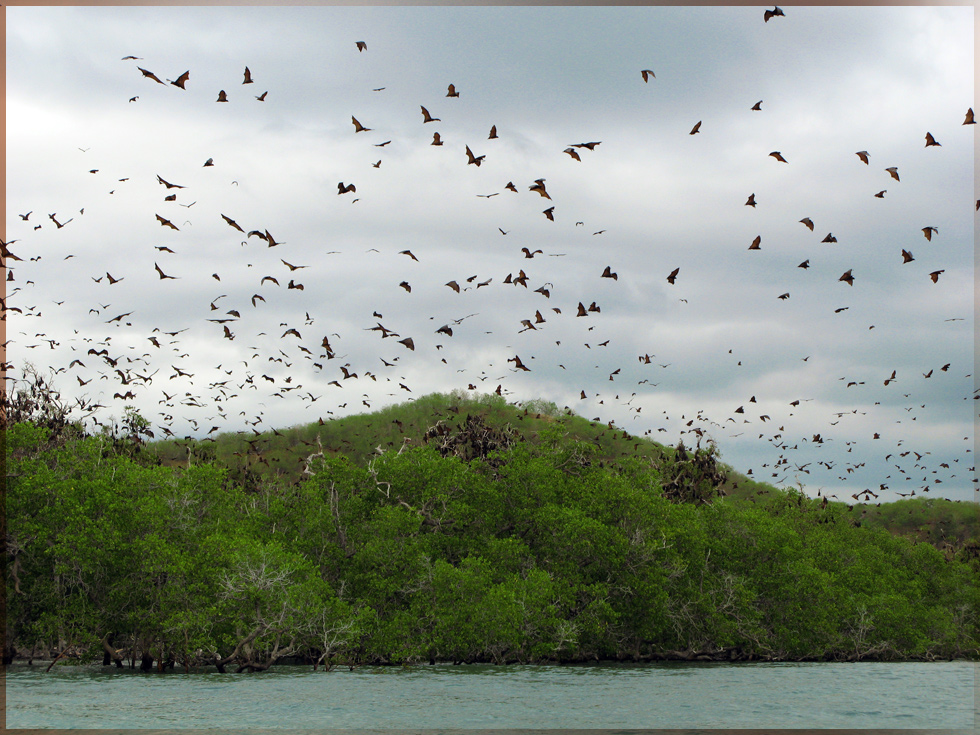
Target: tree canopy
482,543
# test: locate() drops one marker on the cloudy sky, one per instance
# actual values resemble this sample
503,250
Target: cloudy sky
793,389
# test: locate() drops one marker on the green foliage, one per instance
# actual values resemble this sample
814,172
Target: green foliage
550,547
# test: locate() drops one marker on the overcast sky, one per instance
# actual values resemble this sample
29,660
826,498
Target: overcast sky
87,131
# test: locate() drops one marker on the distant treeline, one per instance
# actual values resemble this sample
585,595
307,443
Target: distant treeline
478,542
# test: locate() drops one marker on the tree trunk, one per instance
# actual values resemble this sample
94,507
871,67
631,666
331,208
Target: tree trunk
110,654
220,663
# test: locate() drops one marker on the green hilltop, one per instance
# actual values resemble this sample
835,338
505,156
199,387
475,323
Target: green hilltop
282,455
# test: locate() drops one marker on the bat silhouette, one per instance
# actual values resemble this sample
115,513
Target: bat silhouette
163,276
772,13
149,75
181,80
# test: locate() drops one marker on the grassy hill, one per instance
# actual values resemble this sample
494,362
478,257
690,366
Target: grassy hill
281,455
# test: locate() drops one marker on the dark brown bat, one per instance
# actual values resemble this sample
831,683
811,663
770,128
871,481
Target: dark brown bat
150,75
538,186
163,275
232,223
772,13
166,223
168,184
181,80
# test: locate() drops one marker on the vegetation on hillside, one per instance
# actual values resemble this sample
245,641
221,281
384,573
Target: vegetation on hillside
493,535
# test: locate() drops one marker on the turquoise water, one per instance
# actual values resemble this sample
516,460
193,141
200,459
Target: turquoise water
670,695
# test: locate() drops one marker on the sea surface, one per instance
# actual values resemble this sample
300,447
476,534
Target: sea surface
939,695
